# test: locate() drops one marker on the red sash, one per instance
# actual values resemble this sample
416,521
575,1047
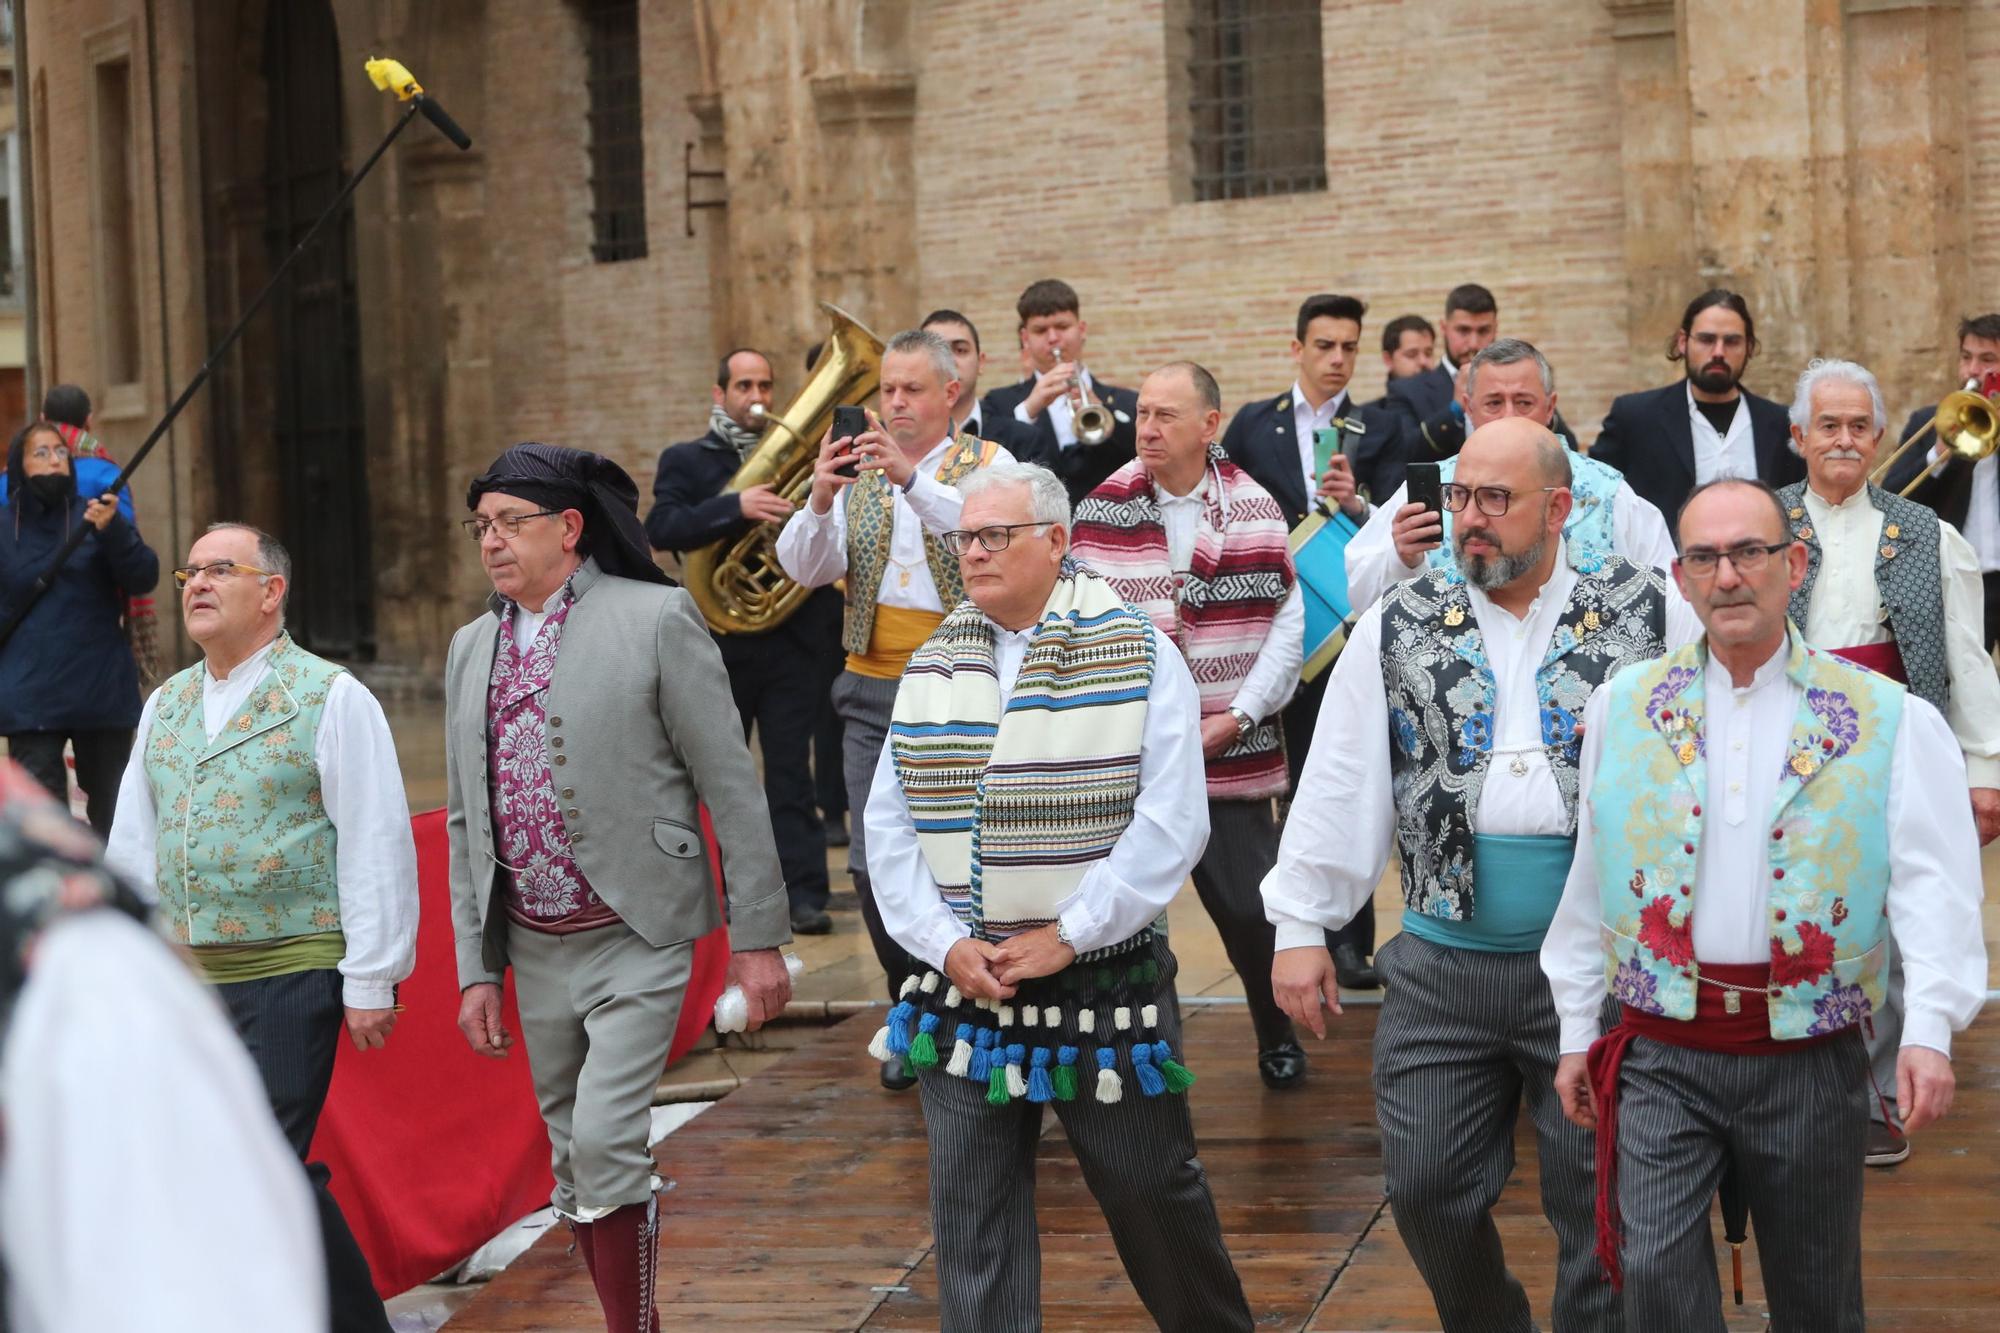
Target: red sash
1715,1028
1885,659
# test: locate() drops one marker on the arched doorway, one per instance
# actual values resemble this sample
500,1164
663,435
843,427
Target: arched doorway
318,434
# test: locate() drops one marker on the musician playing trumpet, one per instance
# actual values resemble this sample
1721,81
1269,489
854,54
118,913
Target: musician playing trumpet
1052,337
1890,585
877,503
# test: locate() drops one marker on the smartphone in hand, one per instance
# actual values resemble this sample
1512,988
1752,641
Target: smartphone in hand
1425,487
849,423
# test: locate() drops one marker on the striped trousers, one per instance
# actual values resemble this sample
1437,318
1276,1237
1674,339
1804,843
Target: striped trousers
1465,1039
1138,1158
1792,1126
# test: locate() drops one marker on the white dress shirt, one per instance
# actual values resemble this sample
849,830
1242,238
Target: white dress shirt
1062,413
1118,895
1731,454
133,1109
1337,837
1638,533
1934,885
361,784
1308,421
1982,514
1274,675
812,549
1845,611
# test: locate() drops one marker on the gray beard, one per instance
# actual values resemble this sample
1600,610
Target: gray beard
1487,572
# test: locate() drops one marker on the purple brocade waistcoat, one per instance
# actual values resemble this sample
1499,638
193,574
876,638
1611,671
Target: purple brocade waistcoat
546,890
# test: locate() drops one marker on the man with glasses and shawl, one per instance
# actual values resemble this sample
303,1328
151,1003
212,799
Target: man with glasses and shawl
1040,800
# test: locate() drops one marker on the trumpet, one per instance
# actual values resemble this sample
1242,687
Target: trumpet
1092,421
1967,422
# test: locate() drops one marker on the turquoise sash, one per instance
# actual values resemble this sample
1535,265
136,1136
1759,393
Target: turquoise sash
1520,882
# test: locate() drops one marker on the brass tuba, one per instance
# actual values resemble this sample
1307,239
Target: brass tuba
737,582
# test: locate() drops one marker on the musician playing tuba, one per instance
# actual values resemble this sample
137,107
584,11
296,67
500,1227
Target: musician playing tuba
878,502
1083,426
779,678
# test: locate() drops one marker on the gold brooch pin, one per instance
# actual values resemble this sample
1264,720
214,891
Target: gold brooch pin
1686,752
1803,765
243,723
1805,534
1454,616
1888,553
1590,620
1797,511
1892,532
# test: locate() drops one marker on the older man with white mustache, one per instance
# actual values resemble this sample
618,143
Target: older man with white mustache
1890,585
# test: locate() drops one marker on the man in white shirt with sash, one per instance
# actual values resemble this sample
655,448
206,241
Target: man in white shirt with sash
1039,803
263,808
878,502
1452,724
1890,585
1760,818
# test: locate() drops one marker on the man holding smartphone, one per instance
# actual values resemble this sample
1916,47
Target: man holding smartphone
1508,378
879,498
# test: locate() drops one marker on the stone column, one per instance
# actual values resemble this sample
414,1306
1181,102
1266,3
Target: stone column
1659,194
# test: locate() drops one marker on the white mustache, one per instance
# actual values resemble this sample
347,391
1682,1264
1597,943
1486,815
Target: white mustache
1843,455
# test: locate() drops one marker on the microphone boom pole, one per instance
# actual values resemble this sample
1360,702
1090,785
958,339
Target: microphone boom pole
388,76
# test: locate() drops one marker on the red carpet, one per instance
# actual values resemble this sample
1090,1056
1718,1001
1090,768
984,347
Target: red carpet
434,1149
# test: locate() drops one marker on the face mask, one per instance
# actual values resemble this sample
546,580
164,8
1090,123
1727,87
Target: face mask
53,488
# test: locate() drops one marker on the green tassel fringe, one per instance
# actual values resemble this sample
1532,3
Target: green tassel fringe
923,1052
1064,1077
996,1085
1178,1077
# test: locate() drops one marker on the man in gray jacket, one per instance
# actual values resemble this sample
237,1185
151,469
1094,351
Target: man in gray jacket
586,716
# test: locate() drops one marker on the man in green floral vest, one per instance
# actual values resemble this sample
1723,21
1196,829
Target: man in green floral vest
1760,818
264,808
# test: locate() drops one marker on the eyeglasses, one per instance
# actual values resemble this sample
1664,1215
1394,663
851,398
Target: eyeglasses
998,537
47,452
1748,558
509,524
1492,500
217,570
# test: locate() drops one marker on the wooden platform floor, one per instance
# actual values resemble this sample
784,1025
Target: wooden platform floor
800,1204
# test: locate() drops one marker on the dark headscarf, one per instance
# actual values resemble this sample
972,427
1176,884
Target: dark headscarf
556,477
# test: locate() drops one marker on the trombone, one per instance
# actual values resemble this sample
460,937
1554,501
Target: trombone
1092,421
1966,421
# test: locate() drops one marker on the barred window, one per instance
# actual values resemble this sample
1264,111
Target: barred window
1256,98
617,148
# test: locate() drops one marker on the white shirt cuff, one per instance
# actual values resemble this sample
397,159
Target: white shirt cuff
1300,935
1578,1034
1923,1027
1021,413
367,994
1982,771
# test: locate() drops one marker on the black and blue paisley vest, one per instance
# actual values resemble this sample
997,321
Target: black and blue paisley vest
1907,579
1442,693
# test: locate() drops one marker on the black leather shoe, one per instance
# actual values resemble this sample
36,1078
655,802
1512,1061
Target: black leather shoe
836,832
811,921
1352,971
896,1075
1283,1065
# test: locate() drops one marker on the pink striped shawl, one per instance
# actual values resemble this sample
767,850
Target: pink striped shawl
1221,613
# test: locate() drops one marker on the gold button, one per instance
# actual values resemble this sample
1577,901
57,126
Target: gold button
1892,532
561,759
575,838
555,722
571,813
569,793
555,742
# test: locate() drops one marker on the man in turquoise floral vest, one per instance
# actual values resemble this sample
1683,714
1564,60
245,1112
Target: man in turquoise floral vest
1450,730
1760,819
264,808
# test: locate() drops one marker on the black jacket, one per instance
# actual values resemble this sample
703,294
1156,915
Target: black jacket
1082,467
1016,437
1430,430
1263,440
1650,439
68,667
689,507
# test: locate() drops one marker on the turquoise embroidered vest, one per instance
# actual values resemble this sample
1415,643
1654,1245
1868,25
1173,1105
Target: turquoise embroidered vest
1829,848
1907,579
1588,533
1442,693
243,850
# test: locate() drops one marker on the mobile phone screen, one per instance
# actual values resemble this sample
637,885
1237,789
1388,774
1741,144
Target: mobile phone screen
849,422
1425,488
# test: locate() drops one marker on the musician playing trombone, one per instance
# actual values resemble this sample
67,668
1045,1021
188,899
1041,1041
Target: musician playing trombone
1890,585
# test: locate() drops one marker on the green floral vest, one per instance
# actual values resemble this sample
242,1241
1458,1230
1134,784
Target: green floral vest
243,849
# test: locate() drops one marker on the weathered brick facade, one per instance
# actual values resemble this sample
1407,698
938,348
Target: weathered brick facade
1595,162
